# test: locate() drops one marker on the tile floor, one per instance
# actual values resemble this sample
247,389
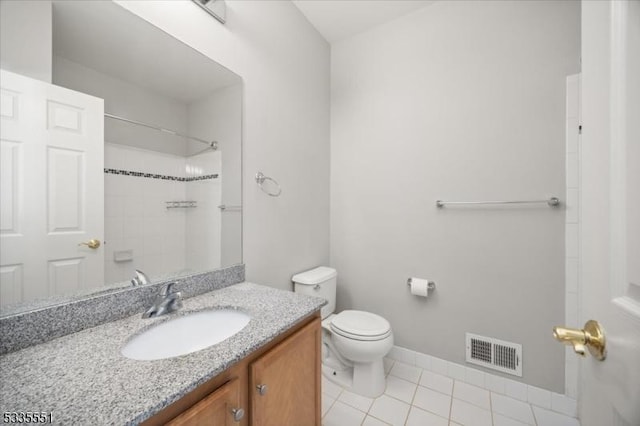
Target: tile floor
416,397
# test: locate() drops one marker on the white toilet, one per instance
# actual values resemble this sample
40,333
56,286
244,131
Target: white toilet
354,342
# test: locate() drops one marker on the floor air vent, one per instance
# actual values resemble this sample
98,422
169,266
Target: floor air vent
495,354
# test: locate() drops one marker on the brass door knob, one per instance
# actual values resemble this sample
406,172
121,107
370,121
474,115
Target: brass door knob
591,337
92,244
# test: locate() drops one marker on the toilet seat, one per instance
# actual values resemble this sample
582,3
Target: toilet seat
360,325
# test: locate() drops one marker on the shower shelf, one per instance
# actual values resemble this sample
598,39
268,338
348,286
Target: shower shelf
181,204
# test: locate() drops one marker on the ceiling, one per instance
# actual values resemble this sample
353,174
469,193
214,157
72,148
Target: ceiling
108,38
339,19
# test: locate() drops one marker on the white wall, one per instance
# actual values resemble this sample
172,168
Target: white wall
459,101
26,38
284,64
131,101
219,117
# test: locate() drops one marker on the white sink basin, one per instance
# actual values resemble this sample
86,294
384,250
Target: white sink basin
185,334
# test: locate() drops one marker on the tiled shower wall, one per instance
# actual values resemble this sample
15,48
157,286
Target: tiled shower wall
572,228
204,223
138,221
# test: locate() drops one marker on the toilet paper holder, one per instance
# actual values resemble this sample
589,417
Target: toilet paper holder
431,285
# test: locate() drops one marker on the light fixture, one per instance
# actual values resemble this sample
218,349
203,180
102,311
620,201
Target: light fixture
216,8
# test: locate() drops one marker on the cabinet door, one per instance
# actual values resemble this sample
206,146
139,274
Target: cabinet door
216,409
284,385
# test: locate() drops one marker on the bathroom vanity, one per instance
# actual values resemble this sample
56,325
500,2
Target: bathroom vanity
268,373
275,385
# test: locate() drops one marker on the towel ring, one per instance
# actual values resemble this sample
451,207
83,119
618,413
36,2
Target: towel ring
260,178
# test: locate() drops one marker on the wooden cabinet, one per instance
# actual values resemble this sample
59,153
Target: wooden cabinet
277,385
218,408
284,382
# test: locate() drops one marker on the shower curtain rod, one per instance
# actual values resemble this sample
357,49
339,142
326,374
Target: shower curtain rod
213,144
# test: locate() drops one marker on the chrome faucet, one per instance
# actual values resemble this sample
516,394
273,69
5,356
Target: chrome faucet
168,301
140,278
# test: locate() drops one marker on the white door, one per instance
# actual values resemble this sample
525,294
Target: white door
609,393
51,189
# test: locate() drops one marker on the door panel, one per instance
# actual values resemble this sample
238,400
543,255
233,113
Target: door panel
52,142
610,389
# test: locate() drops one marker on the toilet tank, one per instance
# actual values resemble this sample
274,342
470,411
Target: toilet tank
319,282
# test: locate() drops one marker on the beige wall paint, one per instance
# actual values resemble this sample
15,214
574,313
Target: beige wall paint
460,101
284,64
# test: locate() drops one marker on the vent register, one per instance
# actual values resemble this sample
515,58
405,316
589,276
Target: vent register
494,354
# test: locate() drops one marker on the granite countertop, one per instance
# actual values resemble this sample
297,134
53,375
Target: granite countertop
83,379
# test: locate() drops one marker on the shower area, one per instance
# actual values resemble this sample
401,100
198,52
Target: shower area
171,146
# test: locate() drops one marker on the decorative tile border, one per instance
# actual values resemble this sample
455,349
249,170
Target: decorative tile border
42,324
156,176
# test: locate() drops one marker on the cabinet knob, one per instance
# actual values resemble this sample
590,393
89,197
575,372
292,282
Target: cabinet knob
238,414
262,389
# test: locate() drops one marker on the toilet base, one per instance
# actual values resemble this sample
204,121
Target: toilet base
363,379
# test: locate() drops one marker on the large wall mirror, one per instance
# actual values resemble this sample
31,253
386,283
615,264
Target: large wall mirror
133,164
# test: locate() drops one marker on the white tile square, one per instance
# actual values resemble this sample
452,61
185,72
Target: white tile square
549,418
395,353
400,389
342,415
494,383
564,405
455,371
439,366
433,401
571,309
512,408
473,394
469,414
372,421
474,377
418,417
572,95
571,212
573,180
515,389
500,420
571,275
571,240
387,364
571,377
572,134
405,371
330,388
437,382
327,402
423,361
539,397
354,400
389,410
408,356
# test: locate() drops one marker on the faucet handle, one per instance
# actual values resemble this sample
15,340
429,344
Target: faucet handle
168,289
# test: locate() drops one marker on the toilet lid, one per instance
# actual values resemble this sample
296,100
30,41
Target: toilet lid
361,325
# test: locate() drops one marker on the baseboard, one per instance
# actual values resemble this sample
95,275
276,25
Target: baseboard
531,394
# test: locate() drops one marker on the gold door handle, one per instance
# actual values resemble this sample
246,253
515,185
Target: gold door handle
590,337
92,244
